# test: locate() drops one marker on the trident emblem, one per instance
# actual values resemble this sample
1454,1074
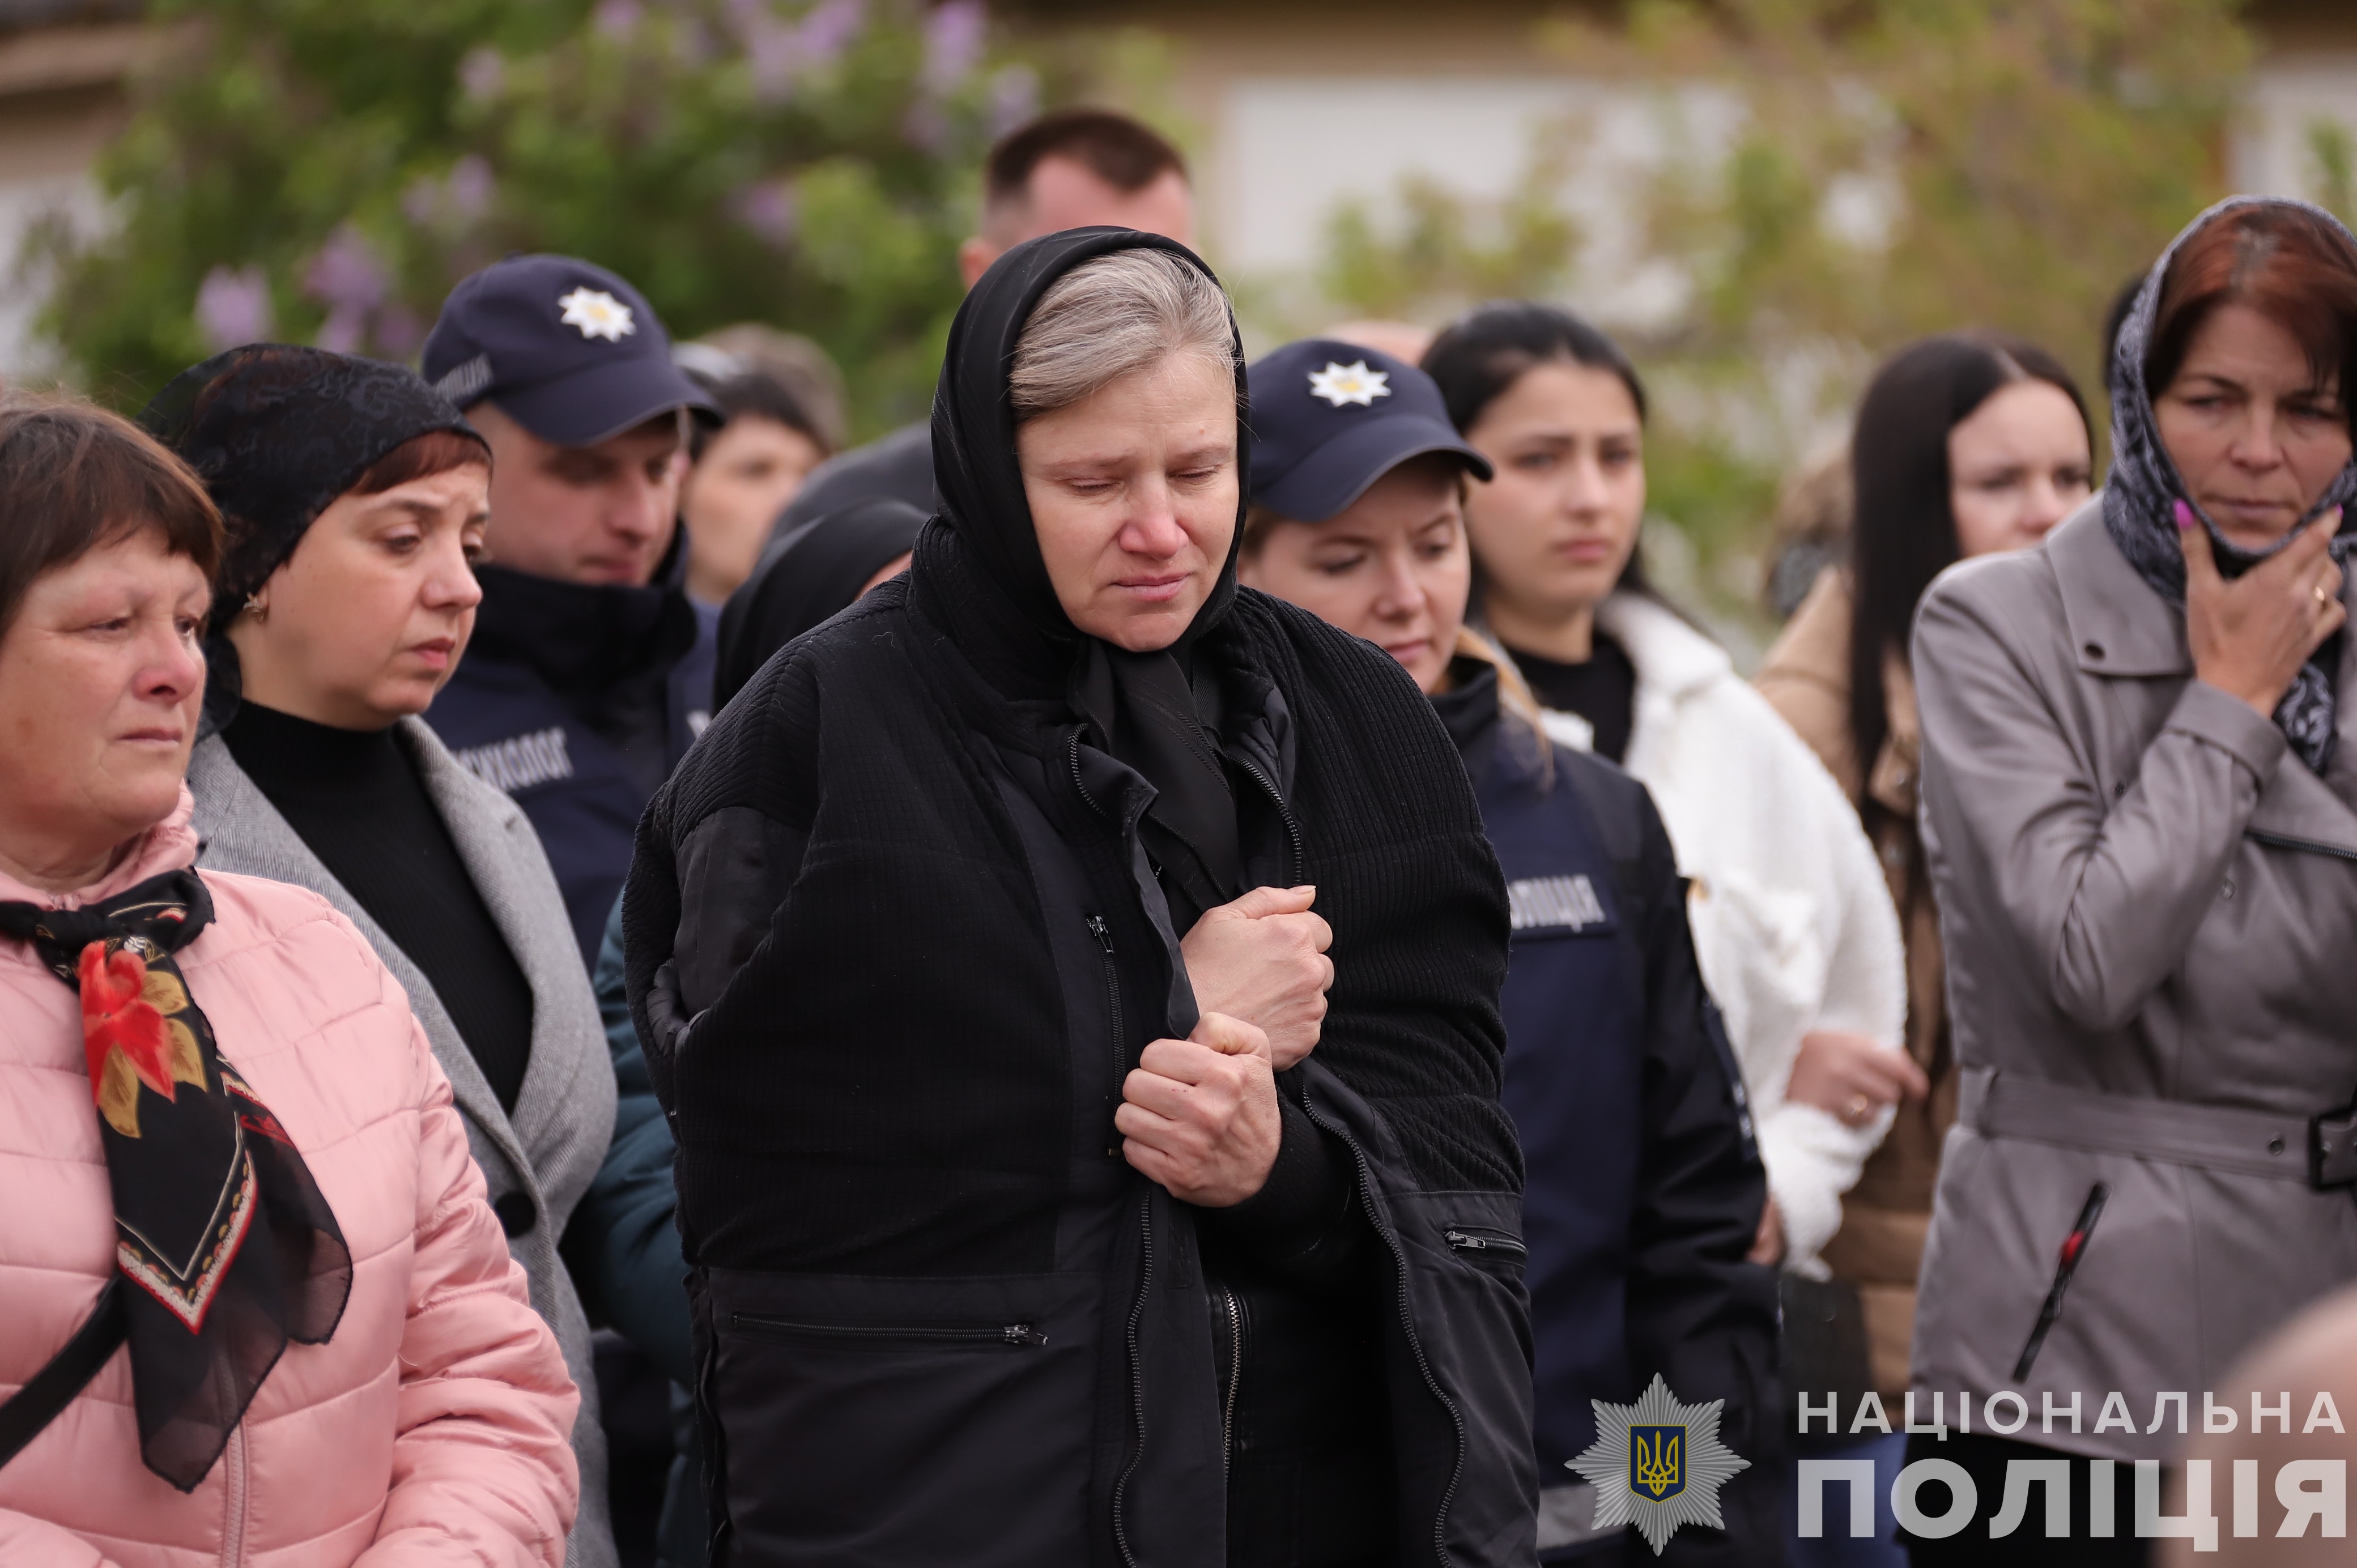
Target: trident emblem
1657,1467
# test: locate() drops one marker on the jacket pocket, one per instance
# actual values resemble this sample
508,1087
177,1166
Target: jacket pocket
872,1419
762,1325
1488,1248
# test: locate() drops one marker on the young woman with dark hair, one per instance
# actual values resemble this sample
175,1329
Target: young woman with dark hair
2137,821
1791,923
1964,445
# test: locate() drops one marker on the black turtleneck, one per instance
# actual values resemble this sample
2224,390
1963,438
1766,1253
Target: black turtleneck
354,799
1600,688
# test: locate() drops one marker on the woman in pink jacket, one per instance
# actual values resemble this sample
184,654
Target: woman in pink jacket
253,1309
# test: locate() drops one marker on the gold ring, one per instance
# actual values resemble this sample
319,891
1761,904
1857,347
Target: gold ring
2323,594
1860,1107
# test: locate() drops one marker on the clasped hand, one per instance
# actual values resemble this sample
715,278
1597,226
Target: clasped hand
1199,1115
1263,958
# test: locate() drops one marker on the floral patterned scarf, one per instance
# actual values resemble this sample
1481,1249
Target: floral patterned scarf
2140,494
217,1220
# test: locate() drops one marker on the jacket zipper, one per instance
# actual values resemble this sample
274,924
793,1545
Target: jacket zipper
233,1500
1072,760
1408,1325
1000,1334
1104,935
1235,1377
2310,846
1283,812
1466,1241
1136,1378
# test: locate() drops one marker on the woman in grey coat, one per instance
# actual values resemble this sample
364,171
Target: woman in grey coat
355,498
2141,816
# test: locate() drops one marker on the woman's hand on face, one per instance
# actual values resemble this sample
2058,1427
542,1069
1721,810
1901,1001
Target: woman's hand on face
1851,1079
1263,958
2249,637
1199,1115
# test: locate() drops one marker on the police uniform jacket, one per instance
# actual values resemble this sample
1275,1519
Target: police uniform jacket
1643,1185
577,701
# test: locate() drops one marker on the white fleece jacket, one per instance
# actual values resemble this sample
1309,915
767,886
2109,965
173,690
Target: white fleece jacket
1792,923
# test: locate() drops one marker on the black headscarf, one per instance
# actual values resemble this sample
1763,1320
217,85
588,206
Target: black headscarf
277,432
816,572
1158,712
2140,493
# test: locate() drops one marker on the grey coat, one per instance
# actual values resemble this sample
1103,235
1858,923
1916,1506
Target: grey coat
552,1146
2149,909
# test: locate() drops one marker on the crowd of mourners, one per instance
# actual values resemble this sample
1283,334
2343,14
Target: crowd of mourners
1183,966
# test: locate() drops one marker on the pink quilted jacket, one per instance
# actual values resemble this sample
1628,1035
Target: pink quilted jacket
432,1427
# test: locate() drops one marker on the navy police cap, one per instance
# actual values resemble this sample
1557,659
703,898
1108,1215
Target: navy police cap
1329,418
567,349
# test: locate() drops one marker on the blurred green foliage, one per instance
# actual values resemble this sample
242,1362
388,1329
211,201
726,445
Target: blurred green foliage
1897,167
323,170
2332,152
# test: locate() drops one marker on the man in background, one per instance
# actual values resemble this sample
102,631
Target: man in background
1071,168
589,671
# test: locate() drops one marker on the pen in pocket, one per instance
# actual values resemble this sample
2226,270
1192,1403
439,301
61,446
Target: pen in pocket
2075,1247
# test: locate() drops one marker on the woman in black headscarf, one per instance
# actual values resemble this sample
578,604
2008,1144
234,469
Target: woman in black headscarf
814,572
354,499
1020,1227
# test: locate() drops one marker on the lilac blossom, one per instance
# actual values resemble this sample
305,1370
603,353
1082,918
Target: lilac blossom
616,19
346,276
399,331
926,126
420,200
233,307
782,53
345,273
471,186
344,330
954,41
483,72
462,196
769,208
1014,98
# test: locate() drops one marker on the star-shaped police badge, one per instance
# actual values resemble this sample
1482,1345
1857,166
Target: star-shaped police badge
1658,1464
597,314
1338,384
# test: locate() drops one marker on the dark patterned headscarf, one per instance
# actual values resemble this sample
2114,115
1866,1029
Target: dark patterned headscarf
277,432
224,1246
2141,493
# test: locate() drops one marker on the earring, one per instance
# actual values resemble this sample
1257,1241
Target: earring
256,609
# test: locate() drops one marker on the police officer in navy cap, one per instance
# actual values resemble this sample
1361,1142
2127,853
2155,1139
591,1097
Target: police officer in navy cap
1642,1188
590,670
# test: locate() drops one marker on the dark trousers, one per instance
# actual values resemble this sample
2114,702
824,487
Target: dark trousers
1984,1459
